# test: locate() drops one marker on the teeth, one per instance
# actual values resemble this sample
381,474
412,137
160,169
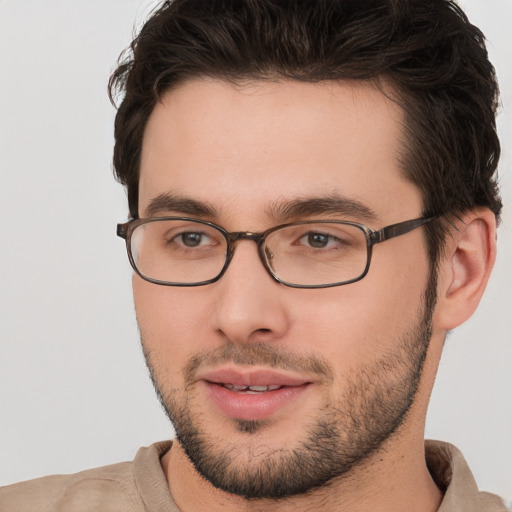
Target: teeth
232,387
253,389
258,388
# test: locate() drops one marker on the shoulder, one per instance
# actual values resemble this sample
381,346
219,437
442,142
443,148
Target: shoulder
493,502
452,475
105,488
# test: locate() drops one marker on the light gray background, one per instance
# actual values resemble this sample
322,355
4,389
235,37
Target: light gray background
74,392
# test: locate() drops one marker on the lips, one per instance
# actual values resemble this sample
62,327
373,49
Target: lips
250,377
253,394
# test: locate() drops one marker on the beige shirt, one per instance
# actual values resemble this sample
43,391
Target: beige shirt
141,486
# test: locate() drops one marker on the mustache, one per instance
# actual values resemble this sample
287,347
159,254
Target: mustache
258,354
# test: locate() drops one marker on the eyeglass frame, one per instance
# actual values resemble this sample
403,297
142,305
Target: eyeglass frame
373,237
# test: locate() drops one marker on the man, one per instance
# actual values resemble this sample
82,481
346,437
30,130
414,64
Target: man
314,206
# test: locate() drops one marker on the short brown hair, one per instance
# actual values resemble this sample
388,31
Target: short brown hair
434,59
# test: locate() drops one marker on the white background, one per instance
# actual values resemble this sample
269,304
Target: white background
74,391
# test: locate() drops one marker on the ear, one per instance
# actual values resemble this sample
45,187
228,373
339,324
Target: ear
465,267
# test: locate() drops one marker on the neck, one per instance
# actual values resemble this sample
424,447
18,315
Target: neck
391,480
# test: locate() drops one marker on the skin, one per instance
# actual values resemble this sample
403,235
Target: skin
241,149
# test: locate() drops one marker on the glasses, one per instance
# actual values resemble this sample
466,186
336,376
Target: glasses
178,251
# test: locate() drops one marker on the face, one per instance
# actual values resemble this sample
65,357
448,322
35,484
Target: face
276,390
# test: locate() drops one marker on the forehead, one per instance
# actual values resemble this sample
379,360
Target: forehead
240,148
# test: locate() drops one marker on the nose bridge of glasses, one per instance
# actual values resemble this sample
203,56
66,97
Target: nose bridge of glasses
264,254
245,235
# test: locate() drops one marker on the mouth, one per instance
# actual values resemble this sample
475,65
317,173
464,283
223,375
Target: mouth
254,394
254,390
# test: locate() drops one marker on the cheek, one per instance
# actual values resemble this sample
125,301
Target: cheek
168,322
363,321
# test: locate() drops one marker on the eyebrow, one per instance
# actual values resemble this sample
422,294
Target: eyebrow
318,206
279,211
167,203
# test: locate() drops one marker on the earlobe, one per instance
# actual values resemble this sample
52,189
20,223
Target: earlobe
465,267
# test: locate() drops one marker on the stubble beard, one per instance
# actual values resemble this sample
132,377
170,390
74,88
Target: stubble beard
343,436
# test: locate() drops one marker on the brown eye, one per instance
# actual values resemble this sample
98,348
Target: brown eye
191,239
318,240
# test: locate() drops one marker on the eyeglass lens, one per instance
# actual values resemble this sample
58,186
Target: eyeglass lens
309,254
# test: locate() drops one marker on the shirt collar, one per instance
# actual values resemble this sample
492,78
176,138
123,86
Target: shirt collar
452,475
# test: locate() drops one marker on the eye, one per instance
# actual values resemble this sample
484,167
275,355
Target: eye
317,240
191,239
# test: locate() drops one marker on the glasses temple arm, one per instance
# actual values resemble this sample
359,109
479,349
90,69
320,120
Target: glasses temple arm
400,229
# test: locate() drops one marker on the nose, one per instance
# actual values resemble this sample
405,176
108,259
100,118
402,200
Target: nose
250,305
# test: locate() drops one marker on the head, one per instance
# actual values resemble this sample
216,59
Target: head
228,104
